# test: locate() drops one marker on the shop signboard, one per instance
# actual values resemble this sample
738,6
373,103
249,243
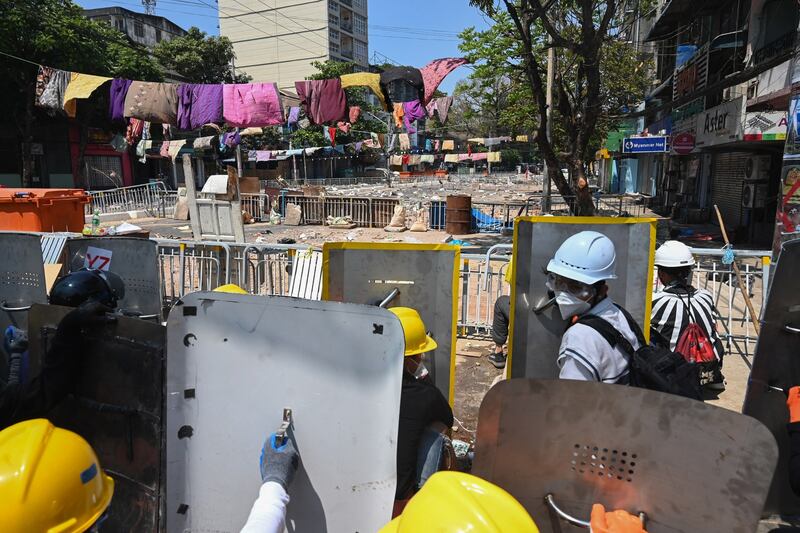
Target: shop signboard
765,126
721,124
644,145
683,143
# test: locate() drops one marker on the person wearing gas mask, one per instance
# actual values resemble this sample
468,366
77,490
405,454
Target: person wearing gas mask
577,275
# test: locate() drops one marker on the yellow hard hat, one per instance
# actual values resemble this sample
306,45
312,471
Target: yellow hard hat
417,340
453,502
50,480
231,288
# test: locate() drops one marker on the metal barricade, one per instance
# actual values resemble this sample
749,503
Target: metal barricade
366,212
257,204
150,197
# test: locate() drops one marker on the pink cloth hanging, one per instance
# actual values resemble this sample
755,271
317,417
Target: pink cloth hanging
247,105
434,72
354,113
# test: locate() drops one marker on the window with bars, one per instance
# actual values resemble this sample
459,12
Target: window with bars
360,4
333,20
138,29
360,50
333,6
359,24
334,35
334,47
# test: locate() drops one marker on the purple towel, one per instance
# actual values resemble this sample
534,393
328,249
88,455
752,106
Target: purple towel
116,101
324,100
412,111
198,104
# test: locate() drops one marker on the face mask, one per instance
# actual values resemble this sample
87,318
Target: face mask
570,305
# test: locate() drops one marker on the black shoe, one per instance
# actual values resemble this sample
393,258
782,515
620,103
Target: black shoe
717,382
498,360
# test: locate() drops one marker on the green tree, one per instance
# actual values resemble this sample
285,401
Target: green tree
596,73
199,58
55,33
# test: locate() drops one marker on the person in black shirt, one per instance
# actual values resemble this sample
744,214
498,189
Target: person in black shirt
421,403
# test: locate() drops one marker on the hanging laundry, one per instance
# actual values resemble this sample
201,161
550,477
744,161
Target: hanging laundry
52,95
464,157
436,145
448,144
134,130
365,79
412,111
396,160
376,140
310,151
330,135
414,159
426,158
405,142
206,143
469,149
428,145
353,113
294,115
434,72
339,149
324,100
251,155
198,104
154,102
392,142
251,131
263,155
521,138
344,127
494,157
398,113
81,87
292,153
118,143
164,150
141,150
146,131
252,104
116,99
451,158
402,84
481,156
440,106
174,148
42,79
232,139
494,141
358,145
406,158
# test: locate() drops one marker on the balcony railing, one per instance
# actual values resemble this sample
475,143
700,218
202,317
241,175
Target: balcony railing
777,46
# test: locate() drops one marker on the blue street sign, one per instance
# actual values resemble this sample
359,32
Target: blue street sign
642,145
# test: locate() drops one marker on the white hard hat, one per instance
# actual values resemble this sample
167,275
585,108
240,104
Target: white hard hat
587,257
674,254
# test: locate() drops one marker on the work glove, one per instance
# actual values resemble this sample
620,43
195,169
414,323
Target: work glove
793,403
278,463
614,521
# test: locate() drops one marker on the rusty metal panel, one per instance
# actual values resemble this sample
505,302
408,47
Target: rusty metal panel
118,408
235,362
535,337
688,466
776,364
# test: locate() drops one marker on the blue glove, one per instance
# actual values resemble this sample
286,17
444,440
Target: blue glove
278,463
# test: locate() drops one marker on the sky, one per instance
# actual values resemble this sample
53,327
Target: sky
393,32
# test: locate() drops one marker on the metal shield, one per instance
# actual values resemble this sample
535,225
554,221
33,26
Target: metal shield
117,407
22,282
776,364
235,363
134,260
426,276
536,336
686,465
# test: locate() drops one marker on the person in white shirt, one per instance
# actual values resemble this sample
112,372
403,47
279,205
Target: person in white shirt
578,274
278,464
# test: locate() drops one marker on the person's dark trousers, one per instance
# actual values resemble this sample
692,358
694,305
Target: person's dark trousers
502,312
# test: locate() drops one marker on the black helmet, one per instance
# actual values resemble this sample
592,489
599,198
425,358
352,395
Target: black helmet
83,285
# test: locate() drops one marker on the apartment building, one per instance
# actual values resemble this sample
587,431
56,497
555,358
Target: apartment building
278,41
143,29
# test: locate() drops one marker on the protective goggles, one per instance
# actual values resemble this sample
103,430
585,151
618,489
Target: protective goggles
558,283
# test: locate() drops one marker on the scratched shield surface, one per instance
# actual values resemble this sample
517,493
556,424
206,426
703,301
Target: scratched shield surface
235,362
133,260
689,466
117,406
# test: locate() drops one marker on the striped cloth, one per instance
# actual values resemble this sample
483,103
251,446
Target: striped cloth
670,317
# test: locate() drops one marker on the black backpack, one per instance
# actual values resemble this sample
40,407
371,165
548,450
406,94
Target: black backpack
653,366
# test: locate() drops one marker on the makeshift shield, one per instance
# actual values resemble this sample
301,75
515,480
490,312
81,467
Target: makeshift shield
22,282
686,465
421,276
133,260
536,324
117,407
235,363
776,364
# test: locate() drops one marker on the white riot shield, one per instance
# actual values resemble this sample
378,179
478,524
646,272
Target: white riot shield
425,277
536,324
776,364
688,466
235,362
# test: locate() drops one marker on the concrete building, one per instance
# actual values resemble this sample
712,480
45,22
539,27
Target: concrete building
277,42
146,30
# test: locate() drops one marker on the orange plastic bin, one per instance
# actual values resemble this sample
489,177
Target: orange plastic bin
42,209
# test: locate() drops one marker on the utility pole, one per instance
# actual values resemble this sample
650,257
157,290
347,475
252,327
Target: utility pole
551,73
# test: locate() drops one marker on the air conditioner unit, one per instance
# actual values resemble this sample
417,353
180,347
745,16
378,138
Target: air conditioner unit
756,168
754,195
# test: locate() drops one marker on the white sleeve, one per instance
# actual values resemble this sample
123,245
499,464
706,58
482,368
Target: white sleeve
570,368
268,514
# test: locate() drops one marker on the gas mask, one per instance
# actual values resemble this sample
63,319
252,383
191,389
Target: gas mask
571,295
